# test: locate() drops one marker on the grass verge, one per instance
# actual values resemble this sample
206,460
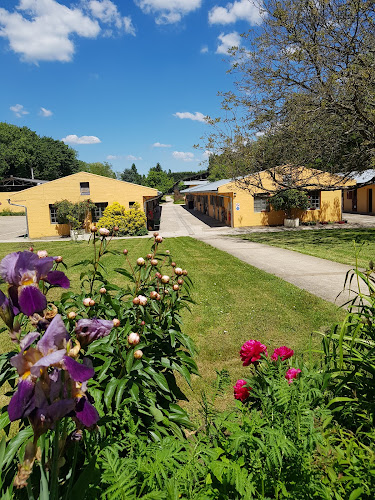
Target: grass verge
339,245
235,302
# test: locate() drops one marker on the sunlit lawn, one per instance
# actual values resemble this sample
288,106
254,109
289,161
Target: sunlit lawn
339,245
234,303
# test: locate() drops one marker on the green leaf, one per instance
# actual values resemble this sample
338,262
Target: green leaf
88,477
109,392
129,361
44,490
134,391
120,391
15,443
158,378
356,493
156,413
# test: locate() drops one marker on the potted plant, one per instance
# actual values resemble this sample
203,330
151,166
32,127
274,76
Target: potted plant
74,214
290,201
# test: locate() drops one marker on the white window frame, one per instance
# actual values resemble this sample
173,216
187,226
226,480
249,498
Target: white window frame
261,204
314,199
53,214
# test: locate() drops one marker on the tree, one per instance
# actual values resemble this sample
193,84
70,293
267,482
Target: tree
132,175
307,86
98,168
22,152
290,201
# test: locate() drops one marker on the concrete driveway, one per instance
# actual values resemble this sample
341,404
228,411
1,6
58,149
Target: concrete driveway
12,227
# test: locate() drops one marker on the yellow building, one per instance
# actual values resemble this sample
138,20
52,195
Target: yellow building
244,202
39,200
361,199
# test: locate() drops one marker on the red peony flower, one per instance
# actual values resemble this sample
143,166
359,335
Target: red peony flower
241,392
251,352
291,374
284,353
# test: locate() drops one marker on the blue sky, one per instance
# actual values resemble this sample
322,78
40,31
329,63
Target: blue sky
120,81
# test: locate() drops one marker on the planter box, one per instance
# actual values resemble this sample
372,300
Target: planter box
291,222
78,234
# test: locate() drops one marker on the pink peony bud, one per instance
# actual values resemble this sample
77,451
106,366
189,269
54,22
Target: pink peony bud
156,234
86,301
72,315
173,264
140,261
133,338
31,249
153,294
178,271
149,256
58,259
116,322
103,231
138,354
184,272
159,239
291,374
167,252
92,302
176,288
125,251
42,253
142,300
93,228
158,275
241,392
165,279
103,290
116,228
180,281
136,301
154,262
143,323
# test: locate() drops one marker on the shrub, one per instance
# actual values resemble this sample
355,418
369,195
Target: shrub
130,222
290,201
74,214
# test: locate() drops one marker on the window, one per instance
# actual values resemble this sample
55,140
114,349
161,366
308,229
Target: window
98,211
84,188
314,197
261,204
131,203
349,195
53,214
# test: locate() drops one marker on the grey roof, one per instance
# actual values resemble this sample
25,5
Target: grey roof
196,183
209,186
364,177
20,181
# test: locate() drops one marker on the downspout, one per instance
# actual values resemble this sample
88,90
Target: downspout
27,220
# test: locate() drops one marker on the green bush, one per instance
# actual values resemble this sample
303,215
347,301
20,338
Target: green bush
6,212
290,201
130,222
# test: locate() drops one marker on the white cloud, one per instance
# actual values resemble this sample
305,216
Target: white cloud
133,158
180,155
227,42
198,117
159,145
113,157
84,139
241,10
107,12
45,112
19,110
204,49
168,11
43,30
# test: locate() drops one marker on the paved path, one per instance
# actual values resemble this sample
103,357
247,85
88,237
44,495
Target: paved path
12,227
318,276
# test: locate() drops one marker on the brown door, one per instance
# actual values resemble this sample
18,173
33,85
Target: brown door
354,201
370,200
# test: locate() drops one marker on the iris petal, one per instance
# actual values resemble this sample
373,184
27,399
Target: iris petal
21,403
54,337
28,340
86,413
57,278
78,372
31,300
49,360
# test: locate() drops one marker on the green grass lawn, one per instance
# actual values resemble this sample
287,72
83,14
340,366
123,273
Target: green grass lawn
339,245
234,303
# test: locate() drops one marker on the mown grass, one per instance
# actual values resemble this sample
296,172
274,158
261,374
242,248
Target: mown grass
339,245
235,302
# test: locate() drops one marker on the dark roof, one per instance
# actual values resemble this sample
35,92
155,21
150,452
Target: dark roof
12,181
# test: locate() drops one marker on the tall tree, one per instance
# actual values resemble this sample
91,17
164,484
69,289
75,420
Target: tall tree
98,168
131,175
23,152
307,85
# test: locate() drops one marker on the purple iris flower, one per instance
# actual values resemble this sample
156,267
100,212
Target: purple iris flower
6,310
43,394
88,330
23,271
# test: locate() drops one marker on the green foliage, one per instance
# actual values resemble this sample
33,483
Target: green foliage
22,149
131,175
6,212
290,201
74,214
129,222
98,168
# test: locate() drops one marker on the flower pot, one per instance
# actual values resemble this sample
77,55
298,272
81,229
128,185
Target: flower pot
291,222
77,234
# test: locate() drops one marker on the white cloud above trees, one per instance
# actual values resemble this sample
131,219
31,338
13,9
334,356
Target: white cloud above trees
84,139
45,112
19,110
181,155
197,116
241,10
160,145
227,41
44,30
168,11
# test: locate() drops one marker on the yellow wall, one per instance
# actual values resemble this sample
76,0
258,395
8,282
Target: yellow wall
362,200
4,203
102,190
